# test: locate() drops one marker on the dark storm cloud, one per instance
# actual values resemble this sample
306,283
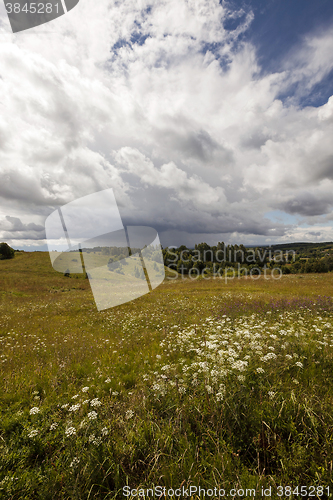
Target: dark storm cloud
306,204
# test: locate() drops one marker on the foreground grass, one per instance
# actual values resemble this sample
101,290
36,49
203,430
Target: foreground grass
199,383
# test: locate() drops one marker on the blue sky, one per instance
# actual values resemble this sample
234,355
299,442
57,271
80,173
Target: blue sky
277,29
211,121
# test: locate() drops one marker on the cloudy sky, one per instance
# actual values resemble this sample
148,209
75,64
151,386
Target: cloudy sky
211,120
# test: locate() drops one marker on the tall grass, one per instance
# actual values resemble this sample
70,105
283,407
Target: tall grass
199,383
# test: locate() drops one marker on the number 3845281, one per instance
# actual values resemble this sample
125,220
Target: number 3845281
32,8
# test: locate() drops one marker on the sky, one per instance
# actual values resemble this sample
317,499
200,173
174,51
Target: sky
210,120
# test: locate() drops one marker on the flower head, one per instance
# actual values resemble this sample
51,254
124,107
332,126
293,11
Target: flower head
70,431
75,462
95,402
74,407
92,415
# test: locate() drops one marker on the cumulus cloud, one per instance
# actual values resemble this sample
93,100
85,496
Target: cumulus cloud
13,228
164,104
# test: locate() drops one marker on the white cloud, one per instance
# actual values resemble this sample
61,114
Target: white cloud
163,104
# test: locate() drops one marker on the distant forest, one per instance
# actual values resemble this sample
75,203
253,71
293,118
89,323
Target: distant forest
289,258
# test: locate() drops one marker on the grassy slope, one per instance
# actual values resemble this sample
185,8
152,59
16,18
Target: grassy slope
54,343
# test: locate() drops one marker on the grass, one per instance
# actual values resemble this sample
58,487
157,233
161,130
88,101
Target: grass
200,383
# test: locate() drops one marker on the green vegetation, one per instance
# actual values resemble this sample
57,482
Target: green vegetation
198,383
6,252
293,258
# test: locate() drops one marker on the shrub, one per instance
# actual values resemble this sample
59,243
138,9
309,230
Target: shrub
6,252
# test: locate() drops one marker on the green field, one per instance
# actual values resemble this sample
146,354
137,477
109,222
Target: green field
199,383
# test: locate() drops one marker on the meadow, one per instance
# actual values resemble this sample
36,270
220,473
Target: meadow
199,383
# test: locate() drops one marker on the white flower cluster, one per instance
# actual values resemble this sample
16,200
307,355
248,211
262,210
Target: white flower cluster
129,414
75,462
92,415
74,407
95,402
217,349
94,440
70,431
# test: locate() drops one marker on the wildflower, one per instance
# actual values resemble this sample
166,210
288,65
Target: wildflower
76,396
241,378
108,380
219,396
209,389
85,389
95,402
115,393
53,426
295,381
105,431
260,370
288,356
74,407
70,431
271,394
75,462
92,415
65,406
32,433
239,365
299,364
97,441
34,411
83,423
182,389
91,438
129,414
37,397
85,401
270,355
